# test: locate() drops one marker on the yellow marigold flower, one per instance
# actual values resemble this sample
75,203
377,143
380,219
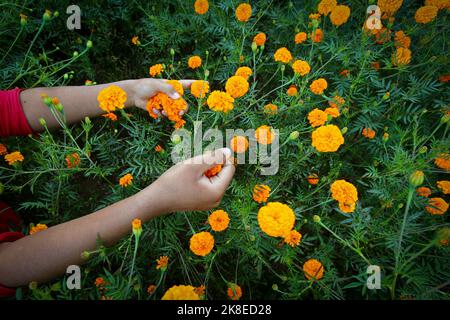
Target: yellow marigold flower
293,238
220,101
283,55
443,161
199,88
401,57
261,193
292,90
244,72
156,70
243,12
318,86
194,62
181,293
426,14
3,149
313,269
136,224
437,206
300,37
112,98
236,86
234,291
218,220
126,180
317,118
333,112
347,207
162,262
200,291
201,6
317,35
301,67
201,243
14,157
423,192
38,227
73,160
346,194
389,7
368,133
339,15
337,102
270,109
264,134
402,40
440,4
326,6
151,289
444,186
239,144
327,138
213,171
135,41
276,219
260,39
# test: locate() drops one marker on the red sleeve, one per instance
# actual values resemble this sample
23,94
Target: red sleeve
8,220
12,119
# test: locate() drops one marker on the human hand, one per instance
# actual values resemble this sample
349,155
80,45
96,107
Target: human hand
184,187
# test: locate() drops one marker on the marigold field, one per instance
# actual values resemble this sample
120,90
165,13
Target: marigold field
360,100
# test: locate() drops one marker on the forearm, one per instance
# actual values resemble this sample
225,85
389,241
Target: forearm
78,101
46,254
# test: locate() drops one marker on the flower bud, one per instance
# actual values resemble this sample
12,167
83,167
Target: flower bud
48,100
85,255
445,118
59,107
176,139
23,20
33,285
385,137
66,76
47,15
89,44
275,287
294,135
87,120
42,122
344,130
75,54
254,47
56,14
416,178
283,67
387,95
423,149
172,52
316,218
206,73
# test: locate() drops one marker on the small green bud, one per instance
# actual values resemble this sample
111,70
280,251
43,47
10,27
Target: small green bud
416,178
59,107
48,100
85,255
56,14
176,139
172,52
66,76
206,73
33,285
316,218
423,149
42,122
47,15
89,44
445,118
275,287
294,135
283,67
75,53
23,20
344,130
87,120
207,53
386,96
254,47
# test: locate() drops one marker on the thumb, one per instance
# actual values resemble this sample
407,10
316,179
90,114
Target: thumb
224,177
210,159
169,90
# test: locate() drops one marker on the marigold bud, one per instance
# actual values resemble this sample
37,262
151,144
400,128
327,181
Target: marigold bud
275,287
416,178
87,120
385,136
316,218
75,54
344,130
172,52
387,95
47,15
23,20
85,255
423,149
176,139
66,76
294,135
254,47
33,285
283,67
42,122
89,44
445,118
56,14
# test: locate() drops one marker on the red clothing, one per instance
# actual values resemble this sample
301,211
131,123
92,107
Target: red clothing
12,119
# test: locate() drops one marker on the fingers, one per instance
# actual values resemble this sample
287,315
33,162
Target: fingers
224,177
206,161
186,83
169,90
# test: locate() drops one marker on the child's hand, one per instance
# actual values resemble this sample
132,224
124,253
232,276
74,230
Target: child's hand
143,89
184,187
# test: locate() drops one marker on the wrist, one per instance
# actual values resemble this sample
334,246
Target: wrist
129,87
149,202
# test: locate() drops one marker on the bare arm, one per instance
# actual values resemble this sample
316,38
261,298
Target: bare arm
46,254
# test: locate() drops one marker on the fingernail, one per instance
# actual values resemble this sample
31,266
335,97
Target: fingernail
164,113
181,113
226,152
175,96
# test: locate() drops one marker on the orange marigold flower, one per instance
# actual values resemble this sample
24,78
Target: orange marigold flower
333,112
135,41
156,70
162,262
423,192
126,180
283,55
300,37
389,7
111,116
112,98
239,144
337,102
313,269
244,72
201,6
443,161
234,291
375,65
444,78
151,288
243,12
426,14
314,16
345,73
264,134
158,148
339,15
236,86
437,206
317,118
260,39
200,290
100,282
220,101
73,160
181,293
276,219
270,109
402,40
218,220
292,91
326,6
261,193
14,157
316,35
318,86
346,194
293,238
444,186
38,227
368,133
213,171
194,62
301,67
440,4
199,88
88,82
327,138
401,57
201,243
3,149
136,225
313,179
